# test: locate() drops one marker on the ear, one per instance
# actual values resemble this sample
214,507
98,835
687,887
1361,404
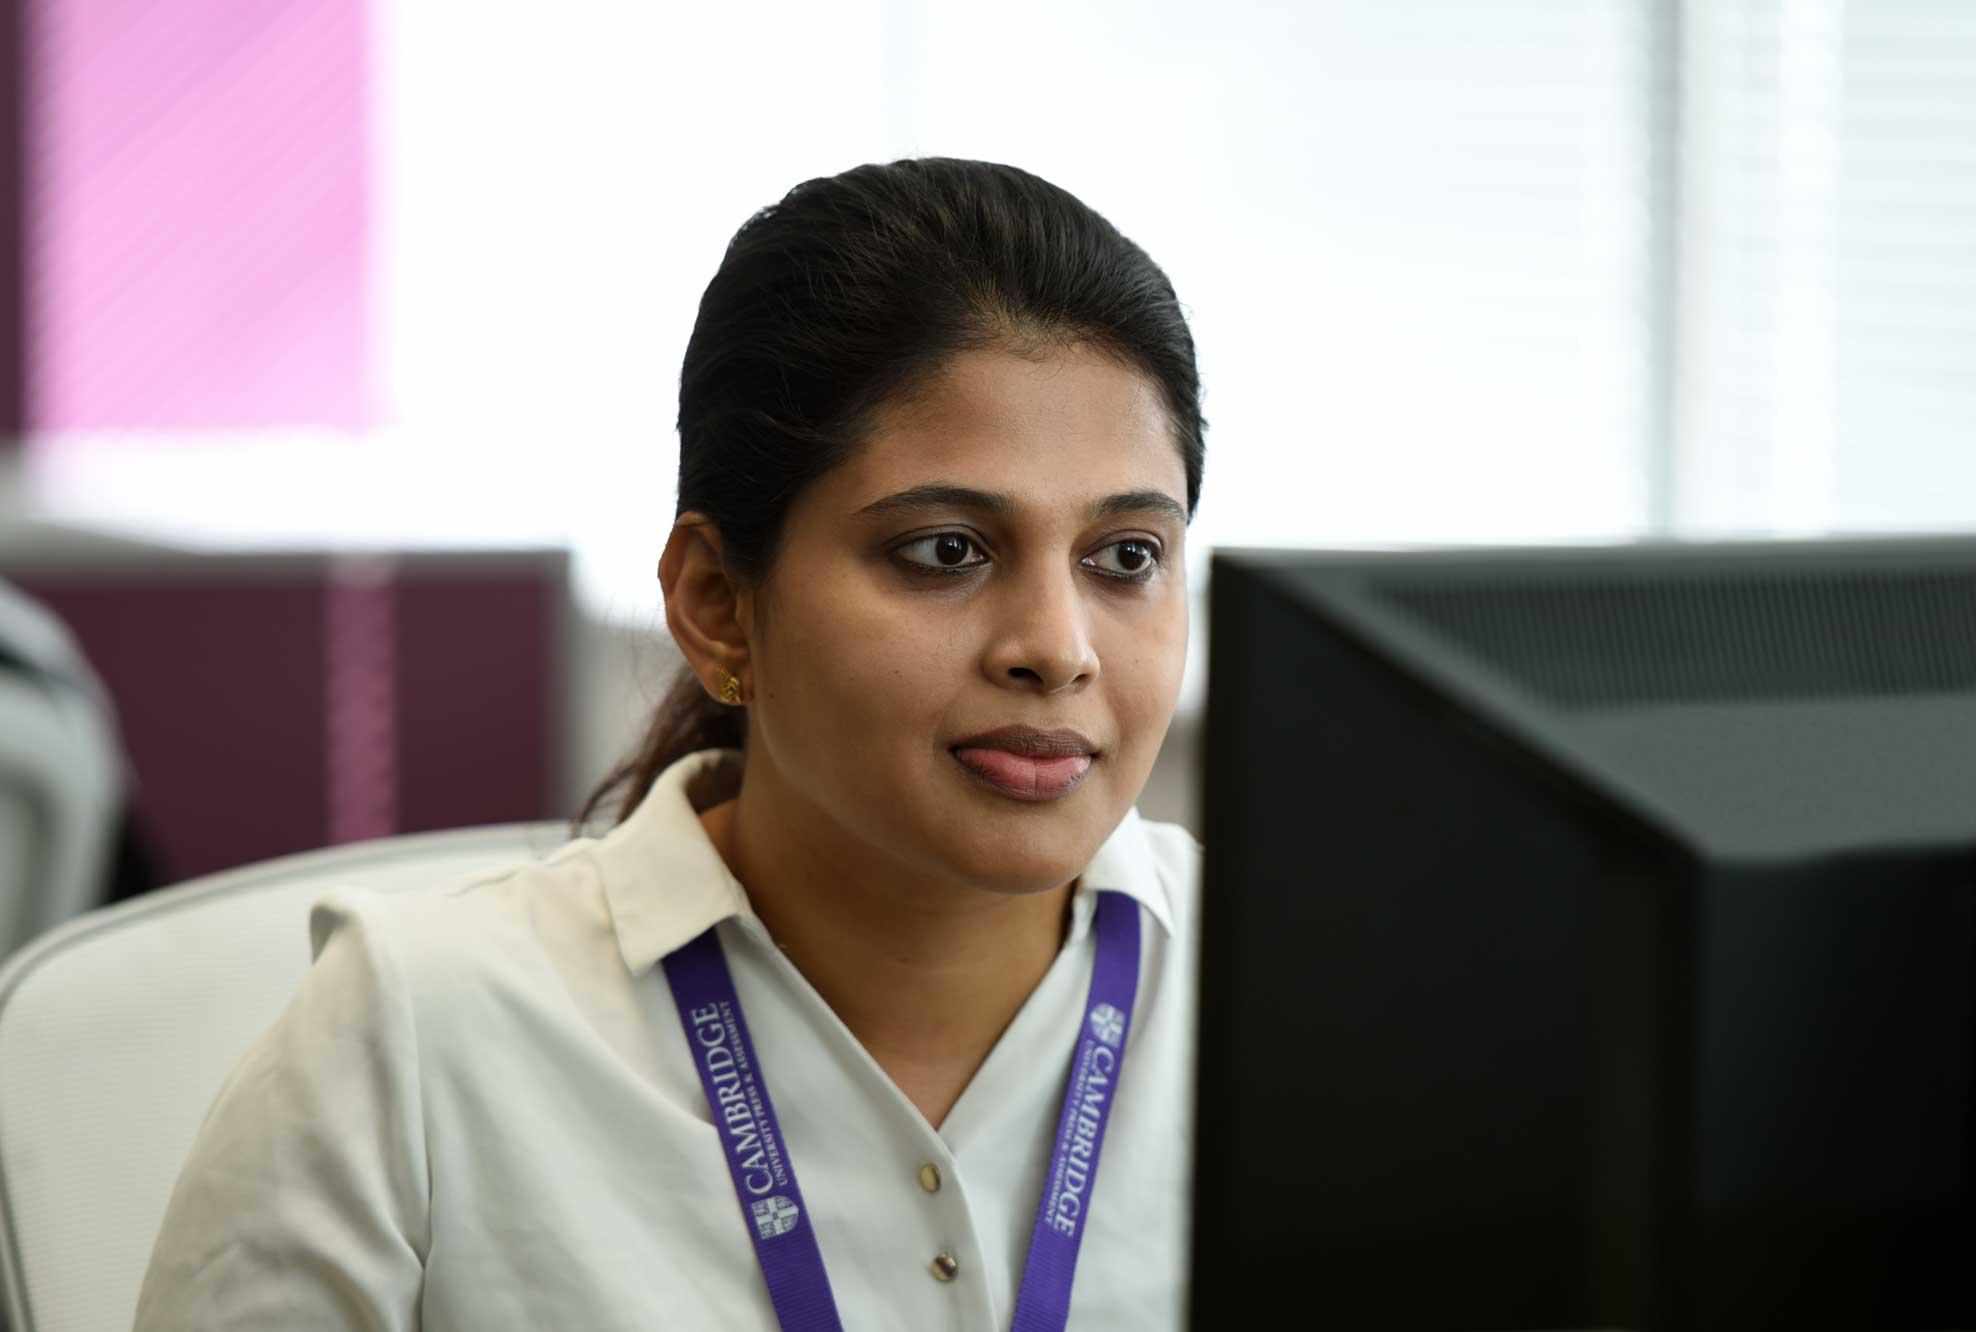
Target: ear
708,612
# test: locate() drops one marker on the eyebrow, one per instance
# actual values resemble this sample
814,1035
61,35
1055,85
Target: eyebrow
999,504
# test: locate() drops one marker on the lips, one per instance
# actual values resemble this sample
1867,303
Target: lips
1026,763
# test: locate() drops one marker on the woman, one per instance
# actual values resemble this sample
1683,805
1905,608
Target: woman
836,1026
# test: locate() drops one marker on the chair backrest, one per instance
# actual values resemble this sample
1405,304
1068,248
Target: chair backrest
117,1029
61,777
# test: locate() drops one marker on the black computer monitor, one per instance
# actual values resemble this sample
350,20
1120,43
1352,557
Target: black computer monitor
1589,938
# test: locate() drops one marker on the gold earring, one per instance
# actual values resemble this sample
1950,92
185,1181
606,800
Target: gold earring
730,688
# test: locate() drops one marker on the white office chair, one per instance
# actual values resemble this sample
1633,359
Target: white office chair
117,1029
61,775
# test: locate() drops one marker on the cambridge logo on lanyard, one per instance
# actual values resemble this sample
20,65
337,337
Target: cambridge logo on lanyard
765,1180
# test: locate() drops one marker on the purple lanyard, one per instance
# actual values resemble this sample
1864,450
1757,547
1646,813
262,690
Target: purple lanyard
765,1179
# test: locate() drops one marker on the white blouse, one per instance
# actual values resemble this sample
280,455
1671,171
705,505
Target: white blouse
480,1112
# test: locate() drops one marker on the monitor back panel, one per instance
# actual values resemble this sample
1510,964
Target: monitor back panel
1483,1048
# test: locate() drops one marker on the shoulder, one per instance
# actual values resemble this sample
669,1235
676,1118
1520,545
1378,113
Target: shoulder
496,929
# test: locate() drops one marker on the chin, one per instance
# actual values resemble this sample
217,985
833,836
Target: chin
1025,862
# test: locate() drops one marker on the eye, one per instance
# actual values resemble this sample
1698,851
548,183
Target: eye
1133,560
943,552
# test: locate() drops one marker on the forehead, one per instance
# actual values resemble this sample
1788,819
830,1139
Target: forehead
1060,428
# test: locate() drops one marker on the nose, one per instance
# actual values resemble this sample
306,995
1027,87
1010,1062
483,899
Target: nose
1042,640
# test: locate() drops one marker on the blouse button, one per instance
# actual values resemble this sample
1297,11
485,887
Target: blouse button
945,1265
929,1177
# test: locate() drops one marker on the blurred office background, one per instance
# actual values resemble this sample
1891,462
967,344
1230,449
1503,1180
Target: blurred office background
339,341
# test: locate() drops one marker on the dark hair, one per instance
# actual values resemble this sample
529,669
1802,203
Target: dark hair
854,291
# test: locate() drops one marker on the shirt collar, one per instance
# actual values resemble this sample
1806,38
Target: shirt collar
1126,864
666,884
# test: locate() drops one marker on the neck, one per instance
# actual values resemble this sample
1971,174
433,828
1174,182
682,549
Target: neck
926,976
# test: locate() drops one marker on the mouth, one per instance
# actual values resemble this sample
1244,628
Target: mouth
1025,763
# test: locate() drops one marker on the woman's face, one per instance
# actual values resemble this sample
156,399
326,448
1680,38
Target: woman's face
1006,550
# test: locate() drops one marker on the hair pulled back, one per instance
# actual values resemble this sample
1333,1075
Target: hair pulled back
854,291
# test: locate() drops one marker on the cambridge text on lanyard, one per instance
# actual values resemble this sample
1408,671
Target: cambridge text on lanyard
765,1180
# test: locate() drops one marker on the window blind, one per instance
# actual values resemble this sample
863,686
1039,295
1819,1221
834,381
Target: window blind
1828,329
1417,240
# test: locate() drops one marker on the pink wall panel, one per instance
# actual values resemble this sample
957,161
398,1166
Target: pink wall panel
13,126
197,214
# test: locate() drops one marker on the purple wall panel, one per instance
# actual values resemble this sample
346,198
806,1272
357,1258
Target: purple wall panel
219,691
477,696
197,217
281,704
